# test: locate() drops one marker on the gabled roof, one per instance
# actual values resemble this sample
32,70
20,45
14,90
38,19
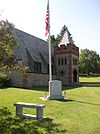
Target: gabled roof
32,44
66,39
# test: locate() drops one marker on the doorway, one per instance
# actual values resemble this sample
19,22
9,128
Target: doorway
74,75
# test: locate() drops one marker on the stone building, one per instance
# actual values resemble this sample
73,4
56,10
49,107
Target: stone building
33,53
66,56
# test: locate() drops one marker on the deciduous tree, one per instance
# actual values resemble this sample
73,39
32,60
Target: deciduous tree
89,62
7,42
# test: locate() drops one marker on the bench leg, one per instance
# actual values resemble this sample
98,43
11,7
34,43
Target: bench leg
19,110
39,113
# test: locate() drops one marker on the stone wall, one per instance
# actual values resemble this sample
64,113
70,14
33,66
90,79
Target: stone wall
29,80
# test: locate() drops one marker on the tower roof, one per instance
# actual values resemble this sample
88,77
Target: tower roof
66,39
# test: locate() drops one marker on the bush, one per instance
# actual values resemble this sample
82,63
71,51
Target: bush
4,80
10,124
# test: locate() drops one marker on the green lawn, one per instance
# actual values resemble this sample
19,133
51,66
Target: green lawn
80,114
90,79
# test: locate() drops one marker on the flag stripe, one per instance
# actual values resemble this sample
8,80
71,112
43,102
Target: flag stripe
47,20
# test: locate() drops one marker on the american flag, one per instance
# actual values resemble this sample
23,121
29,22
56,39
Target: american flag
47,20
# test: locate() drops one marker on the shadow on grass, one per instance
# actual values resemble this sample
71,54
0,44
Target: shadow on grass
90,76
14,125
71,87
86,102
90,84
46,89
38,88
71,100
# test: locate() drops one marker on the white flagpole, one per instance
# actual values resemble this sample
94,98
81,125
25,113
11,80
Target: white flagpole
54,86
50,61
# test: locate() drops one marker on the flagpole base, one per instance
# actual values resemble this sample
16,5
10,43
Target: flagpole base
54,97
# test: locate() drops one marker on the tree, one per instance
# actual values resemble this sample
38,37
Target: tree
64,28
56,40
53,40
89,62
7,42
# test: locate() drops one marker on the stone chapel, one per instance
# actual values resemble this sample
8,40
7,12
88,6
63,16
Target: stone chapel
33,53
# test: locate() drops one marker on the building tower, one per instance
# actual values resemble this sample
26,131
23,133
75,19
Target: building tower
66,57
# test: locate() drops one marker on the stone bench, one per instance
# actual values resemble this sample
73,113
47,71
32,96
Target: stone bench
38,107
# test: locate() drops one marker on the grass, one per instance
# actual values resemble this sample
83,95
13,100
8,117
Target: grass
80,114
90,79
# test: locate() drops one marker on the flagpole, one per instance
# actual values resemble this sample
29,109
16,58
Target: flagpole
50,61
54,86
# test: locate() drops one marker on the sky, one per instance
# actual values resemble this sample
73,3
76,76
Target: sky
82,17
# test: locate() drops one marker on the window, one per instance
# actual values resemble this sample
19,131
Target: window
74,62
37,67
19,62
58,61
65,61
62,61
62,72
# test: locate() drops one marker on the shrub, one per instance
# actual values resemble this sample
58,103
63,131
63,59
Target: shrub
4,80
10,124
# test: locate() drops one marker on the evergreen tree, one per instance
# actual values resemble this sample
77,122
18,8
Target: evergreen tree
56,40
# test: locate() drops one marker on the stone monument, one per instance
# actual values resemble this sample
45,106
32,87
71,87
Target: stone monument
55,90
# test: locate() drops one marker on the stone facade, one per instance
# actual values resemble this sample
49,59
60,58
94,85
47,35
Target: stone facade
66,62
29,80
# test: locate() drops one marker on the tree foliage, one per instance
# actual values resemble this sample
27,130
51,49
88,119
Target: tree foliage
10,124
53,40
7,41
56,40
89,62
